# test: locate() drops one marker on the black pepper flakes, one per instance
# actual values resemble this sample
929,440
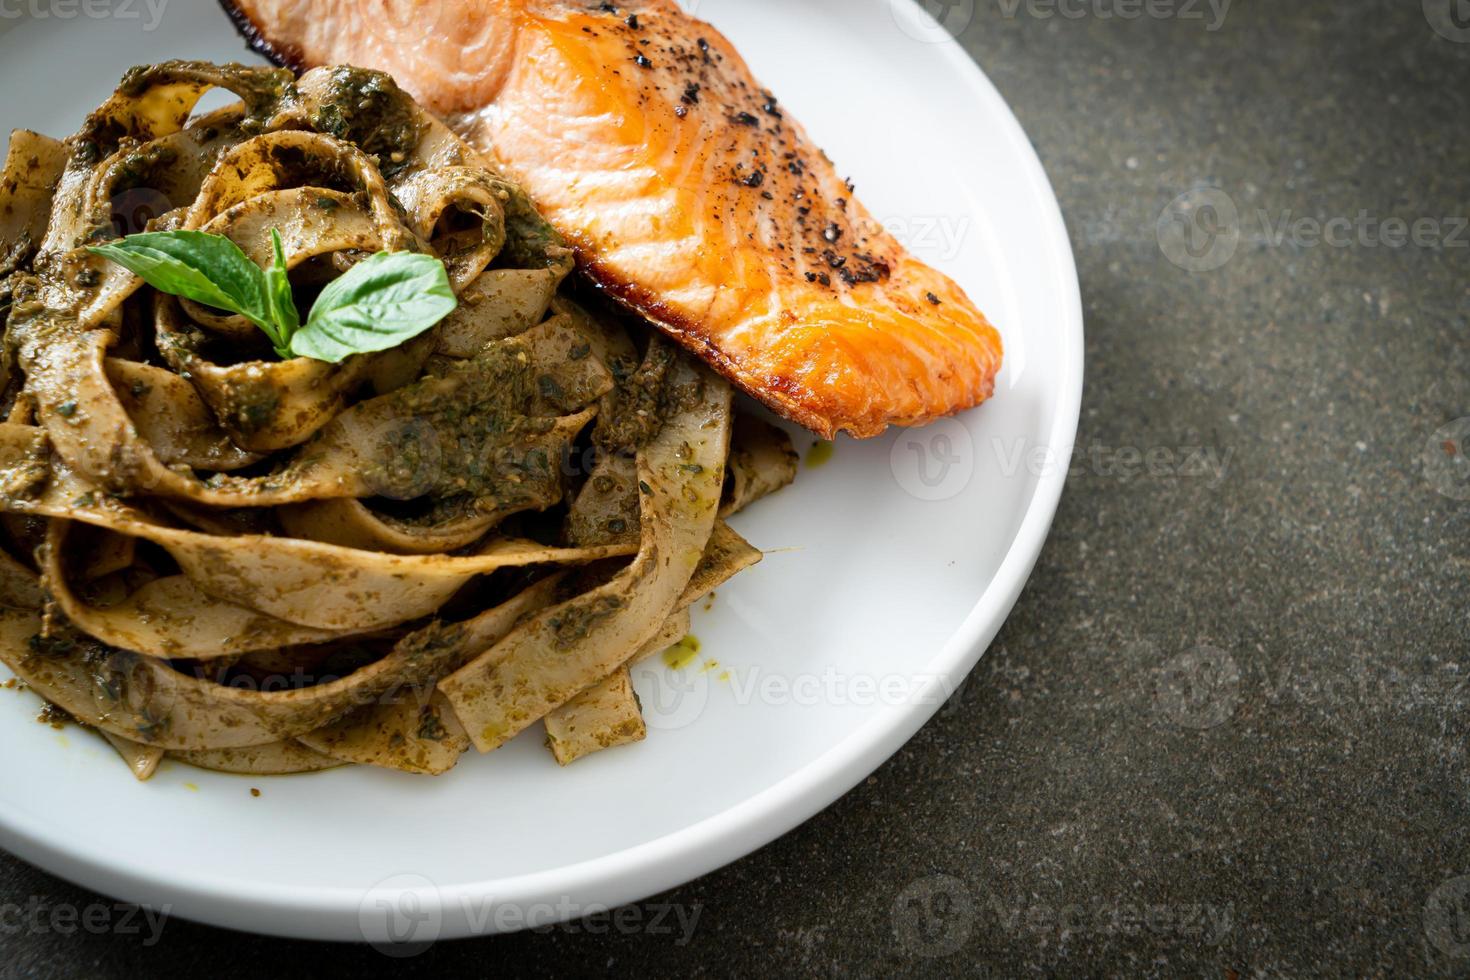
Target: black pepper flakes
632,21
642,62
691,94
932,298
832,233
744,119
754,179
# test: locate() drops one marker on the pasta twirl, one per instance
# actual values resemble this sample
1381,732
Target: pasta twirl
263,563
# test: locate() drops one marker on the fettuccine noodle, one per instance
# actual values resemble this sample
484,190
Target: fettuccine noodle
268,565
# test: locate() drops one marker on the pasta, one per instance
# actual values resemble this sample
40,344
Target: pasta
268,564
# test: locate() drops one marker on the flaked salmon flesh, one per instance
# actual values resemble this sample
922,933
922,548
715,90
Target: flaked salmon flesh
688,191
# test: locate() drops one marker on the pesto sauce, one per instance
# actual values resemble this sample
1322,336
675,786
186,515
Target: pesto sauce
265,92
572,623
683,653
251,406
431,726
369,109
531,242
54,715
468,434
637,415
26,478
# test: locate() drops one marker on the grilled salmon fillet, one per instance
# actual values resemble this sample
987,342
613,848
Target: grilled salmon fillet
688,192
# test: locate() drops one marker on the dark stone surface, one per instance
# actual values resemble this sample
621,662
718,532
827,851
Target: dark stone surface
1225,728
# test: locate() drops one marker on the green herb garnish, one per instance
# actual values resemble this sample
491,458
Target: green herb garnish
381,302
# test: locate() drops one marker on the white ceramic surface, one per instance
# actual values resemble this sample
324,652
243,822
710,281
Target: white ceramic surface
892,566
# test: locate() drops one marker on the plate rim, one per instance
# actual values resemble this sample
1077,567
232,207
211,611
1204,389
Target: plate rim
652,867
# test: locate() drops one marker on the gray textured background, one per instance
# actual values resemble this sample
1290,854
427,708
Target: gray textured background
1224,729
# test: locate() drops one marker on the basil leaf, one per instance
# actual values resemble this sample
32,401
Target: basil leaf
279,299
381,302
196,265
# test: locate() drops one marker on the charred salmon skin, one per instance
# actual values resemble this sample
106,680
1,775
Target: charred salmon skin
689,193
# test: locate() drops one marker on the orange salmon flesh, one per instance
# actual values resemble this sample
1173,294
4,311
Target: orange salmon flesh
688,192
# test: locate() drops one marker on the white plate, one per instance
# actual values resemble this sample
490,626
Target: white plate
893,565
